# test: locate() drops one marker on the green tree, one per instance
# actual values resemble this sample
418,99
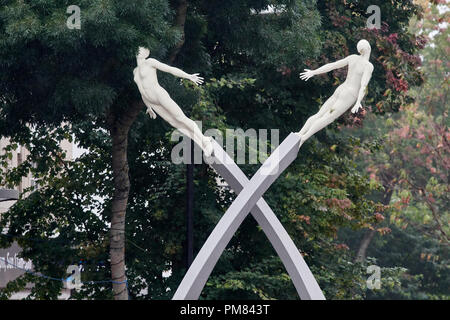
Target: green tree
252,61
323,191
51,74
413,168
83,77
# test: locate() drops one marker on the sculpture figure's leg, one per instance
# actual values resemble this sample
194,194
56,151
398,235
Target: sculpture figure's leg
325,108
336,110
318,125
172,113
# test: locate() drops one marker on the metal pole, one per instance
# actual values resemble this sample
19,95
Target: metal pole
190,209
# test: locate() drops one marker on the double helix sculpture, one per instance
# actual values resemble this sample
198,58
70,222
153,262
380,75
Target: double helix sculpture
249,192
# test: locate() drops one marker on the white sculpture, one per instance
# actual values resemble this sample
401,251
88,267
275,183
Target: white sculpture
249,198
158,100
250,192
351,92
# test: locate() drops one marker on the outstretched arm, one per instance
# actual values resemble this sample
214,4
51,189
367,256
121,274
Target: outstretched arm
324,69
176,72
362,91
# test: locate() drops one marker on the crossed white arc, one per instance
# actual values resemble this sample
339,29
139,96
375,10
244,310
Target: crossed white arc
250,199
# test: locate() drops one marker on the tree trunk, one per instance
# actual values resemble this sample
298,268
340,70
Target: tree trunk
362,251
180,20
370,234
119,128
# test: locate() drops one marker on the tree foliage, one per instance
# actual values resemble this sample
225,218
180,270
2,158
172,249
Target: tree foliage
51,75
413,165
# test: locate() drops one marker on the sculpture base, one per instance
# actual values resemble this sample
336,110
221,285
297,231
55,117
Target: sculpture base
249,199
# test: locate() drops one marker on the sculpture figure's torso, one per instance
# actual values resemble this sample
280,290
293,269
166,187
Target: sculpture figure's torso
146,78
356,68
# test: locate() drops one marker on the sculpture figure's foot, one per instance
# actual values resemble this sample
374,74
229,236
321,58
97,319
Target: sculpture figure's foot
301,140
208,147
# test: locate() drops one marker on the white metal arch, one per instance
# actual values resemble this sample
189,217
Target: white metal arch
250,199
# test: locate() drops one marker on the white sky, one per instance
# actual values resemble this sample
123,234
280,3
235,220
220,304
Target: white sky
77,151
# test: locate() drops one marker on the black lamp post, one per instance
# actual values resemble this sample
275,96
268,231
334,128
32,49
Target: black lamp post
190,209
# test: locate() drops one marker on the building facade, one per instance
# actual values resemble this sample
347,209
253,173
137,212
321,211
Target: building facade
11,265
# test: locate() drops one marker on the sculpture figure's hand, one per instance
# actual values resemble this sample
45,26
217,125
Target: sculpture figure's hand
196,79
307,74
151,113
356,107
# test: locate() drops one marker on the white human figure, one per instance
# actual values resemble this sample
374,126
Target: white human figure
158,100
351,92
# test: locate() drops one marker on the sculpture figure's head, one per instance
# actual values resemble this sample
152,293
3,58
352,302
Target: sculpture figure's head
364,47
143,53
